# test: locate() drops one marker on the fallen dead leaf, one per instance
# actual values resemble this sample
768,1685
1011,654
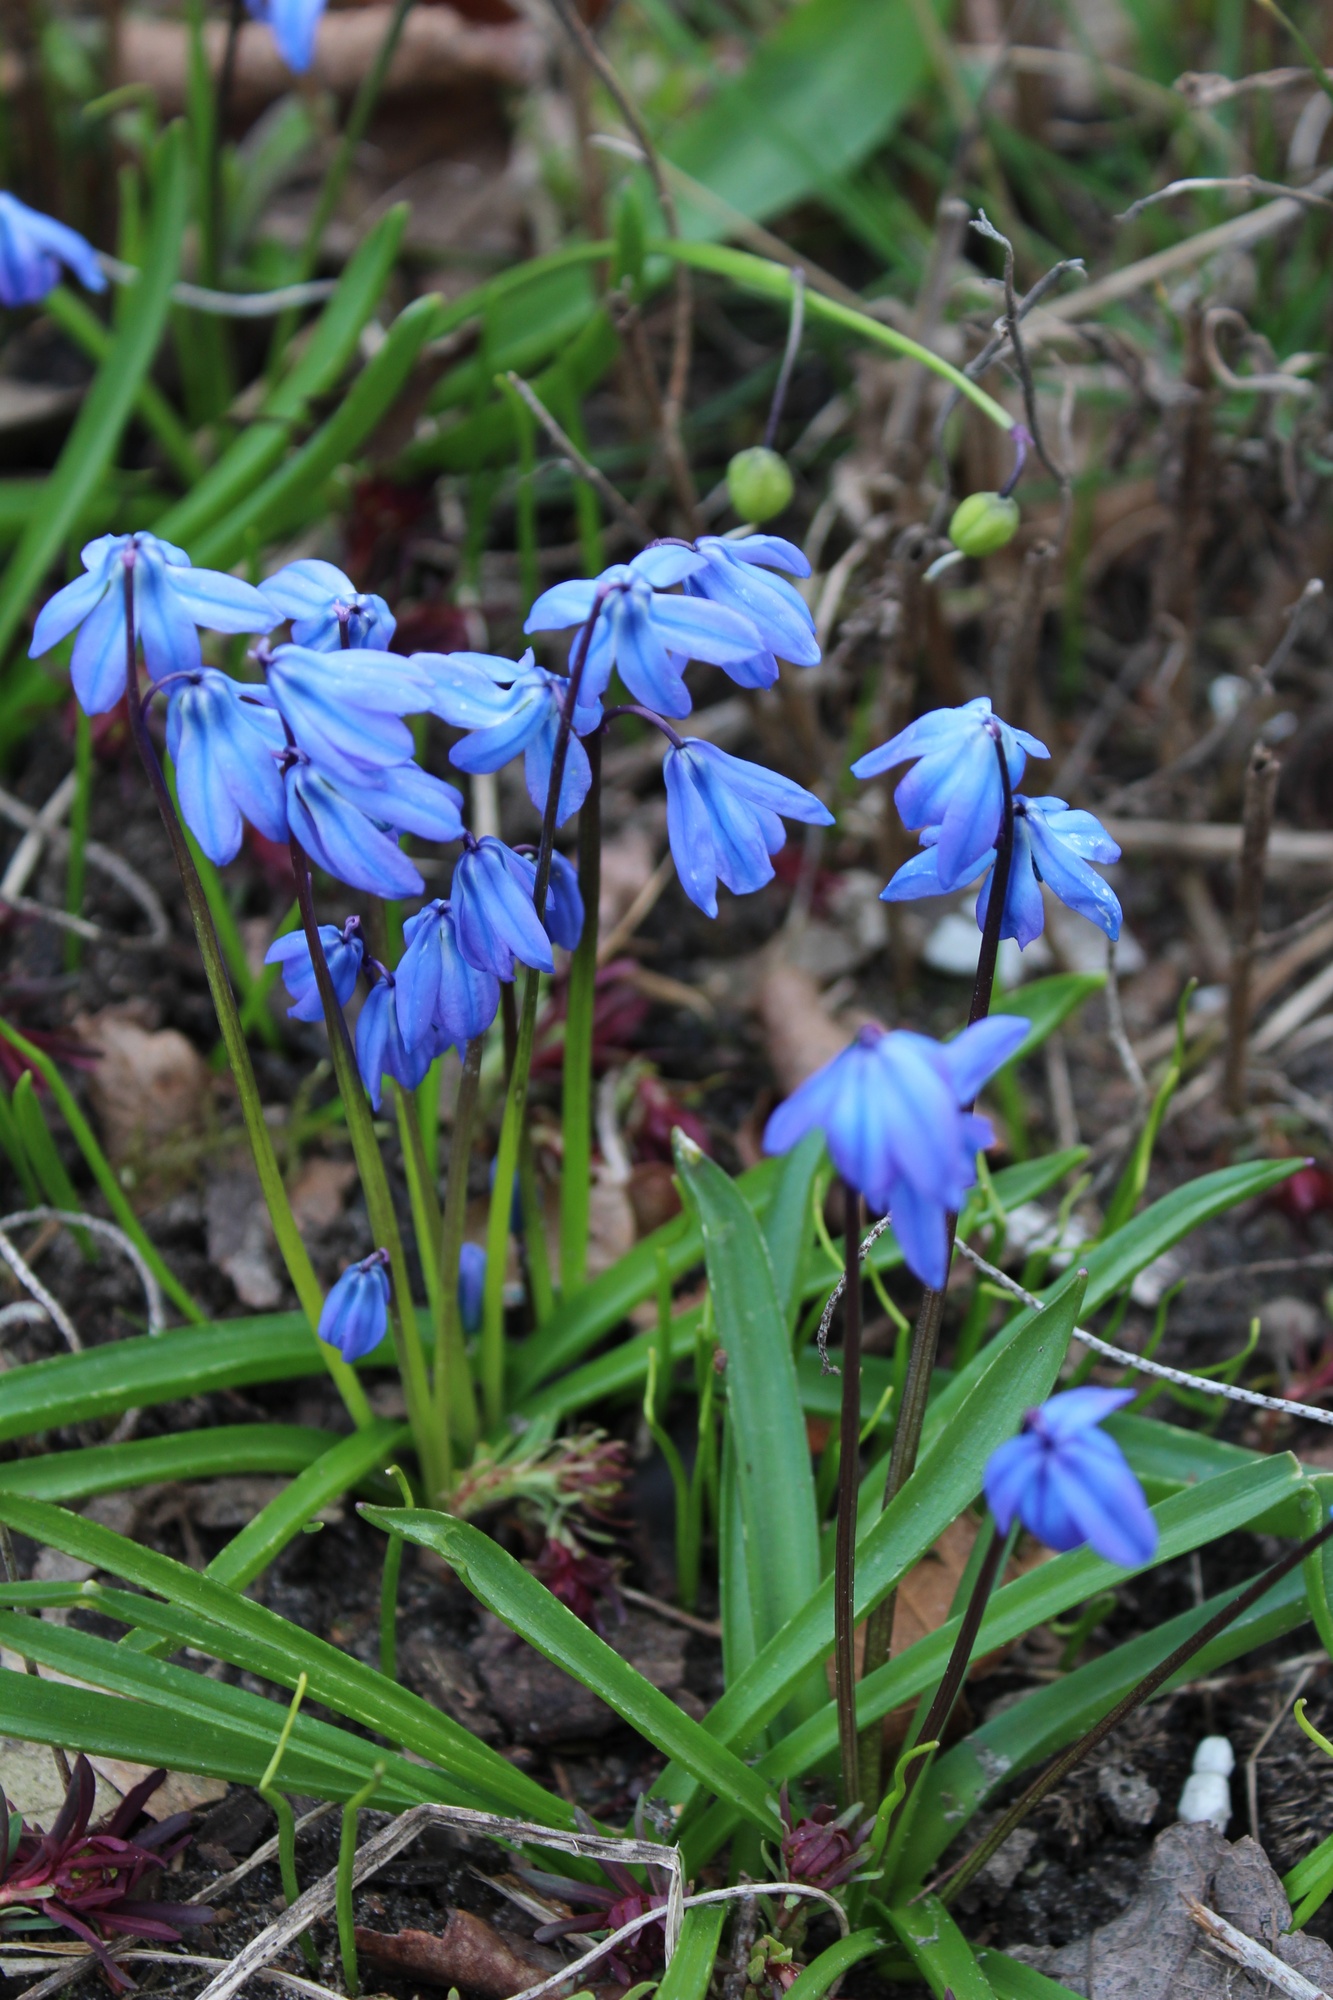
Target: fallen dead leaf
240,1237
148,1086
800,1034
468,1953
320,1191
179,1791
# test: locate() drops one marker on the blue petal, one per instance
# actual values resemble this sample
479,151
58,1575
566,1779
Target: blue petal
355,1315
774,551
973,1057
646,667
564,605
97,664
68,608
689,833
406,797
920,1226
469,997
343,841
761,787
916,878
576,782
206,803
664,565
417,975
702,630
167,632
372,1036
1073,1411
1010,1471
218,602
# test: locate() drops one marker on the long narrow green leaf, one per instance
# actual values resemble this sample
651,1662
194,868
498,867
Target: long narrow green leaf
202,1454
336,1679
940,1951
1012,1980
76,319
692,1962
832,1963
92,443
514,1594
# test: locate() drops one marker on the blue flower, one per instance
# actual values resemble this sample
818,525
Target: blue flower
722,819
510,707
471,1286
292,24
564,904
956,785
494,918
1052,844
649,637
345,709
893,1111
33,246
436,987
341,838
736,573
225,751
355,1315
343,951
322,603
409,799
380,1048
171,600
1068,1483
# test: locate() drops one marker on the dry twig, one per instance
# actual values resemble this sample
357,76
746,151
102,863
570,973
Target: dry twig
1260,797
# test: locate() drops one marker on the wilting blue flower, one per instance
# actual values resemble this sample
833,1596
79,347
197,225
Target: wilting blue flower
1053,844
343,951
737,574
355,1316
494,918
341,838
33,247
564,904
292,24
1068,1483
722,819
225,751
892,1108
380,1048
648,636
345,709
471,1285
171,600
322,603
436,987
510,706
956,785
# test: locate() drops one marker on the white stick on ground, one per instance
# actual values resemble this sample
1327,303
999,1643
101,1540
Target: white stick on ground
1255,1958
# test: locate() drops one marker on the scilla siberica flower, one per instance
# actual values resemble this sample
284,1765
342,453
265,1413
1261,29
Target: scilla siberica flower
956,784
1053,843
723,819
342,838
327,612
380,1048
648,636
494,917
892,1108
471,1286
292,24
564,904
171,600
436,988
1068,1483
225,751
343,952
510,707
355,1316
33,247
345,709
737,574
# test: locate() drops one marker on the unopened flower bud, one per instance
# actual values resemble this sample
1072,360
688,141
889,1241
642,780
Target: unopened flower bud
759,483
983,523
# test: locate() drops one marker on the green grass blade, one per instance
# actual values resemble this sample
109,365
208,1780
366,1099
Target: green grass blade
92,443
83,326
224,1449
813,1982
514,1594
692,1962
1012,1980
939,1950
1047,1004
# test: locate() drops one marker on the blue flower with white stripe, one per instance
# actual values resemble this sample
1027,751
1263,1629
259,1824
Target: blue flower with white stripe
437,989
1069,1483
510,708
33,247
225,750
327,612
1054,843
355,1315
343,953
724,819
740,575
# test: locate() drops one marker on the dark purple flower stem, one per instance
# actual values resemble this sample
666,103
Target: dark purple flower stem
676,741
849,1462
951,1885
911,1415
294,1255
560,756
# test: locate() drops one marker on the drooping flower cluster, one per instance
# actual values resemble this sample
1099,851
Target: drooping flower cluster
954,796
1069,1483
894,1112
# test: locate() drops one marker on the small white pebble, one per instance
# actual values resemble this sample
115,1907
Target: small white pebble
1206,1794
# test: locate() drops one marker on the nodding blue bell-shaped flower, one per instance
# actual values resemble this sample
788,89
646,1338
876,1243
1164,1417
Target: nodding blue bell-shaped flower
33,247
511,707
739,574
955,784
328,613
893,1112
380,1048
723,819
345,710
494,918
343,951
355,1315
564,904
225,750
646,635
172,601
436,987
292,24
1069,1483
471,1286
341,838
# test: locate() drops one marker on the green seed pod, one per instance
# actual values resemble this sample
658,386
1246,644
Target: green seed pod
983,523
759,483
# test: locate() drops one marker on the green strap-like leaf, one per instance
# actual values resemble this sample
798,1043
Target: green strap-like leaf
204,1454
514,1594
691,1967
821,1973
1012,1980
939,1950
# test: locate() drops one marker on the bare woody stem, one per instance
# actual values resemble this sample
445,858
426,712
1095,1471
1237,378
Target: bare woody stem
952,1885
849,1457
1261,777
926,1334
432,1446
299,1269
